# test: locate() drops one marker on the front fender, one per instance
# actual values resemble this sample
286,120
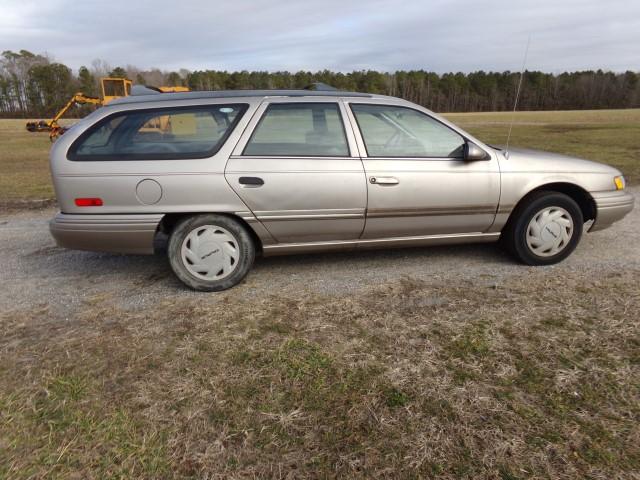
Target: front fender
517,185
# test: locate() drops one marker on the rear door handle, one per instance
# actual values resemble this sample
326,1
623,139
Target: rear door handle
384,180
251,182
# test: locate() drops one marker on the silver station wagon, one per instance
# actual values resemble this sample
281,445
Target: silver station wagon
230,175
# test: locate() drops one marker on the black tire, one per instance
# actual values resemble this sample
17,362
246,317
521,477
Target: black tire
242,242
514,236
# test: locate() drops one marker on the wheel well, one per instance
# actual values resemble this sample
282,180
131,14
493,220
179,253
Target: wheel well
578,194
170,220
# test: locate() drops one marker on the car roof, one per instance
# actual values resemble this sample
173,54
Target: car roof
158,97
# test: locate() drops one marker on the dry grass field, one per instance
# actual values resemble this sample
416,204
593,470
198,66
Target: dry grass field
536,377
423,363
610,136
25,179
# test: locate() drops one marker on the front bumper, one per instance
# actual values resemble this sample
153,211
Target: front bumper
611,207
106,233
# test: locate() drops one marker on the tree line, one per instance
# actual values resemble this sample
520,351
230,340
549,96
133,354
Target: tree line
33,85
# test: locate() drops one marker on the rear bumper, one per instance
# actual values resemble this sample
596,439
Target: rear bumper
611,207
106,233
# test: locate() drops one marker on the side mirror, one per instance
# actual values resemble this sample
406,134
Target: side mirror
473,152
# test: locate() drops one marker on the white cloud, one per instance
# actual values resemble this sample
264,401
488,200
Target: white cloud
459,35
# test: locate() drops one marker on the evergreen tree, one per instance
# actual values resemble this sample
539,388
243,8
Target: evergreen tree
118,72
31,85
87,82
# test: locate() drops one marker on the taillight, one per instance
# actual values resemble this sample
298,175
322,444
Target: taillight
88,202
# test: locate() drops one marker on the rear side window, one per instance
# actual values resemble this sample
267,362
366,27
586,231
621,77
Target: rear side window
158,134
299,130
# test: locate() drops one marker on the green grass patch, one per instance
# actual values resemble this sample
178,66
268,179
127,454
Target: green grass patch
66,425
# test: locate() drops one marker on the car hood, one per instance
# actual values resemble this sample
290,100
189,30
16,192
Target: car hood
523,159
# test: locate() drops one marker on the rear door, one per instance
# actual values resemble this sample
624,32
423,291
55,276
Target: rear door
298,169
418,183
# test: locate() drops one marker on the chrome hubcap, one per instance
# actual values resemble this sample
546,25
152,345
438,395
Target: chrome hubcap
549,231
210,252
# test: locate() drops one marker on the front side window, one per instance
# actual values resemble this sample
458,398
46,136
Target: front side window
158,134
299,130
391,131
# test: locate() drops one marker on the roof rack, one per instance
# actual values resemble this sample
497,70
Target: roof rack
141,96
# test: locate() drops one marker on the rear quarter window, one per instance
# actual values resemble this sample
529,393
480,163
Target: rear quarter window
158,134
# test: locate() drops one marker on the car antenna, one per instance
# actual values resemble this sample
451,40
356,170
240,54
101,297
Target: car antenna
515,103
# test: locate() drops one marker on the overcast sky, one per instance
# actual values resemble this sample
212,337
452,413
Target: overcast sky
345,35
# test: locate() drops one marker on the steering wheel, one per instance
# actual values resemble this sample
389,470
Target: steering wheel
410,143
393,138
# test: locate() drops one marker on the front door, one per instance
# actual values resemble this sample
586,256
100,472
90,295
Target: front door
418,183
297,168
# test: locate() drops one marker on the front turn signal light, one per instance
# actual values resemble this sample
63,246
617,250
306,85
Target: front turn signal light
619,181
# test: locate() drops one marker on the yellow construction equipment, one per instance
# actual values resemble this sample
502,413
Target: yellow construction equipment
173,89
111,88
52,126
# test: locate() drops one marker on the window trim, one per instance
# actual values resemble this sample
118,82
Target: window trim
266,111
74,157
421,157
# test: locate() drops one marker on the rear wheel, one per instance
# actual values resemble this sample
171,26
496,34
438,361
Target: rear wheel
210,252
544,230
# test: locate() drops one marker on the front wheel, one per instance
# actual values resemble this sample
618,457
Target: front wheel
545,230
210,252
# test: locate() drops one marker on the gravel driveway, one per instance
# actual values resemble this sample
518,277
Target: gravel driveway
35,272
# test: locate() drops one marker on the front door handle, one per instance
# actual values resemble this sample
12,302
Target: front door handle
251,182
384,180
